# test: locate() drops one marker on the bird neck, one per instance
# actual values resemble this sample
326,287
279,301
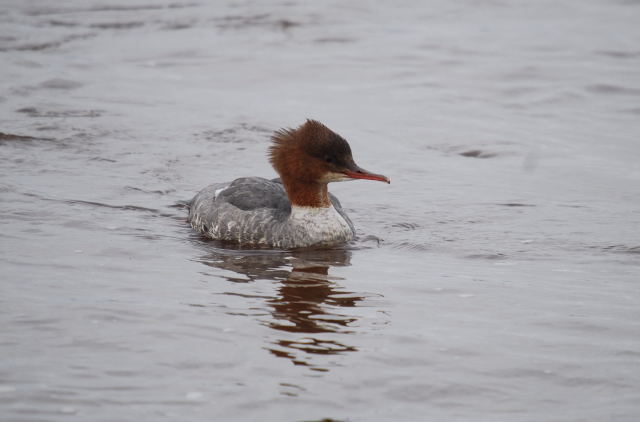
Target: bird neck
307,194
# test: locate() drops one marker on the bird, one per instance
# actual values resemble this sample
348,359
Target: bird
293,211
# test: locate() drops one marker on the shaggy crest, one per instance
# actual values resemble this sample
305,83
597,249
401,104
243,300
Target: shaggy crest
295,149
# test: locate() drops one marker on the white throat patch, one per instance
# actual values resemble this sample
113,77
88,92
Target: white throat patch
321,222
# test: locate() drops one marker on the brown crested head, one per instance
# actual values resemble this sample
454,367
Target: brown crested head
313,153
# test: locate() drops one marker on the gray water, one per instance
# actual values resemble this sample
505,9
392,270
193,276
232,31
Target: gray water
495,279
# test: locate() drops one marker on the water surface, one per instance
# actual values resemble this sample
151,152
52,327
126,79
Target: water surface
495,279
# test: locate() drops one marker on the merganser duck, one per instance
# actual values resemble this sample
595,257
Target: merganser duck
294,211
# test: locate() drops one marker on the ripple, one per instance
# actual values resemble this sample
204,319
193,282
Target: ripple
333,40
411,246
154,192
635,250
488,256
515,204
250,21
234,135
610,89
406,226
46,45
59,83
619,54
476,153
117,25
42,11
35,112
10,137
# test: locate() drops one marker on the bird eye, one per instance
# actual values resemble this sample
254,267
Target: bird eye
328,160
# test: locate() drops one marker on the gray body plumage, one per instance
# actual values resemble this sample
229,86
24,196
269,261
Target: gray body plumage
257,211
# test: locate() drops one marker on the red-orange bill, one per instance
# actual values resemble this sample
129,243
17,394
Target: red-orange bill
364,174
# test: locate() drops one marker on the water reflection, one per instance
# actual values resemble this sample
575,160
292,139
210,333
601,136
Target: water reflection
309,307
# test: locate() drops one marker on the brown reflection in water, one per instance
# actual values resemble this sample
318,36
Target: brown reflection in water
308,301
301,306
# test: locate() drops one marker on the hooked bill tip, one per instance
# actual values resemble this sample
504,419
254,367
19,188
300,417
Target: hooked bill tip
368,176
